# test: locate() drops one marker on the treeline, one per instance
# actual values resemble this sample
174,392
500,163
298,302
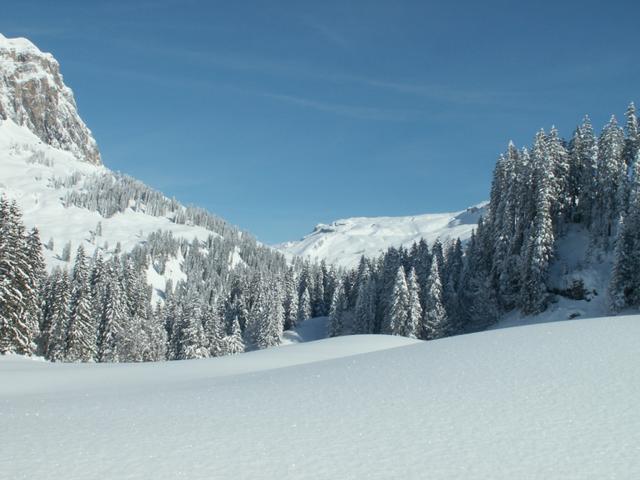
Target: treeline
102,310
109,193
537,194
410,292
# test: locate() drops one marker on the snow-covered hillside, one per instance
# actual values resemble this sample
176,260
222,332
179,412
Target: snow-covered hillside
344,241
28,170
50,164
545,401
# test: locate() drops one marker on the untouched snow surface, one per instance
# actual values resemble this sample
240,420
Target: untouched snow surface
344,241
554,400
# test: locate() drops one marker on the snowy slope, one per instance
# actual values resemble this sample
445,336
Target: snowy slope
344,241
27,170
545,401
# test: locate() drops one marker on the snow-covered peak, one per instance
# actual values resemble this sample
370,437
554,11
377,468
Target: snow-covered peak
344,241
18,44
33,94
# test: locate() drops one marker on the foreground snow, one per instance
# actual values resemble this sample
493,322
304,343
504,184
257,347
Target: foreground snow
543,401
344,241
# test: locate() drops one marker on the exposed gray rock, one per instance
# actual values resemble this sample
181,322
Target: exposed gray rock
33,94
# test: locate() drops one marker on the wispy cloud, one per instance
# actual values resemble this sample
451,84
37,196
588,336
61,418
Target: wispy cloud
354,111
344,110
330,34
303,70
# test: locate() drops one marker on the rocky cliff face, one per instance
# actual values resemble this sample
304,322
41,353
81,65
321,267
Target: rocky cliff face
33,94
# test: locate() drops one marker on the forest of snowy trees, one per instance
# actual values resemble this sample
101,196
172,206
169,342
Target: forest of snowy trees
537,194
101,308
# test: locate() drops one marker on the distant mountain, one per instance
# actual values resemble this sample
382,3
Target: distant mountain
344,241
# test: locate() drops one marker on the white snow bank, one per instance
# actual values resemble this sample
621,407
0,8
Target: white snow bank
546,401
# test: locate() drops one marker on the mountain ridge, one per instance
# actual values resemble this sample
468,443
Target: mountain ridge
344,241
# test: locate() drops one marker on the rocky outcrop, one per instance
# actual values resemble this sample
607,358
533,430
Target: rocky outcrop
33,94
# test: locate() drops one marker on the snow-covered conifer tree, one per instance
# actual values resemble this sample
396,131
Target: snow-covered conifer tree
290,301
81,328
304,307
435,323
414,311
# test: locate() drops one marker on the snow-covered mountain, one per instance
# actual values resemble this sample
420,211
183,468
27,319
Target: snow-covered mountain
543,401
344,241
33,94
50,164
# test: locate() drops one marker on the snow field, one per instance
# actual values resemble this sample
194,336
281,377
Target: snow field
544,401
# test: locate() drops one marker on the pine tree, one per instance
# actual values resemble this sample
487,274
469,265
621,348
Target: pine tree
36,281
454,265
435,323
584,157
214,330
59,308
19,285
193,342
81,329
414,311
365,307
391,263
539,249
632,141
318,308
611,182
290,301
47,298
113,320
330,282
270,318
156,336
560,166
304,307
233,342
399,321
338,311
624,288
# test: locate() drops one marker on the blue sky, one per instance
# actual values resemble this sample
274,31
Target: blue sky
281,115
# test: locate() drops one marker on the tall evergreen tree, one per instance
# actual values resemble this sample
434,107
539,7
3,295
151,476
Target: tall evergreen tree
611,182
233,342
113,320
435,323
59,308
304,307
414,310
624,288
338,312
290,301
18,285
81,328
365,306
399,321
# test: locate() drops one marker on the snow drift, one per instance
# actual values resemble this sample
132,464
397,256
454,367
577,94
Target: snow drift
544,401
